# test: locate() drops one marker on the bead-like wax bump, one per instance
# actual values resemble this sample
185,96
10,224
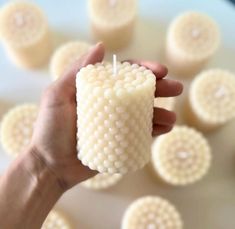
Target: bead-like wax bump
56,220
102,180
120,123
66,55
211,99
115,31
192,39
181,157
17,128
151,212
25,34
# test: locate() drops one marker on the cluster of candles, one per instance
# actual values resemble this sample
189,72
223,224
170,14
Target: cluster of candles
115,101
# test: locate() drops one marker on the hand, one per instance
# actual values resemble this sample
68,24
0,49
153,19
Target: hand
54,138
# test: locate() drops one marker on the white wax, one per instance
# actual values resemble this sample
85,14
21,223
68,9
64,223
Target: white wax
192,40
25,34
115,117
113,21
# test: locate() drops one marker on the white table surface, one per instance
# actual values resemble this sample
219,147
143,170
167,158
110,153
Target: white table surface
208,204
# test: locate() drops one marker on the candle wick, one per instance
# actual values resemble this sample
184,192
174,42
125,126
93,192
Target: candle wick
114,65
112,3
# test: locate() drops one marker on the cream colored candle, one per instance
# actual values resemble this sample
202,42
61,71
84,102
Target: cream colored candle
211,101
182,156
113,21
67,55
192,40
151,212
115,114
17,128
25,34
102,181
167,103
56,220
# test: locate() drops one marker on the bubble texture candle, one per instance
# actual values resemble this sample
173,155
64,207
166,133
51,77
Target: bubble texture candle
192,40
55,220
151,212
182,156
211,101
25,34
102,181
114,117
113,21
67,55
17,128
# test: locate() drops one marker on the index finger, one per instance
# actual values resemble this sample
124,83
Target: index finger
159,70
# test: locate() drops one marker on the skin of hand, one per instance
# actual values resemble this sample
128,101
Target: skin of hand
54,138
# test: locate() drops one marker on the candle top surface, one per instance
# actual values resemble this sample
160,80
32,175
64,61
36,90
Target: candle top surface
194,34
182,156
129,78
112,12
22,23
212,95
66,55
151,212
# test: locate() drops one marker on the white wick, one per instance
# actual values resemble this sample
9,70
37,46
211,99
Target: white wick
183,155
112,3
19,18
195,33
114,64
220,92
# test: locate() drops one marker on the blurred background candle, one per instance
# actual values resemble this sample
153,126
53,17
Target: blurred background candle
192,40
25,34
113,21
211,100
115,111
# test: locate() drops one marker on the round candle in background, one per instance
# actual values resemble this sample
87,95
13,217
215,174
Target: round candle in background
181,157
192,39
115,116
102,181
113,21
211,100
67,55
56,220
25,34
151,212
167,103
17,128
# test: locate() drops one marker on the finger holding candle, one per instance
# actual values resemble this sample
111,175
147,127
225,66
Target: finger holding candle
163,117
161,129
168,88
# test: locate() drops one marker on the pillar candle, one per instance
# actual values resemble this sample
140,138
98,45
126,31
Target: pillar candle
56,220
25,34
211,100
113,21
102,181
115,111
67,55
167,103
151,212
181,157
17,128
192,40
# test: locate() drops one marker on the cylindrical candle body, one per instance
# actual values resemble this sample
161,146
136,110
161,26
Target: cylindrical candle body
192,40
115,117
102,181
17,128
151,212
113,21
181,157
25,34
211,100
67,55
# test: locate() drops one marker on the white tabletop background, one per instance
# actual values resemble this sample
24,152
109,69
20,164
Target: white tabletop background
208,204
